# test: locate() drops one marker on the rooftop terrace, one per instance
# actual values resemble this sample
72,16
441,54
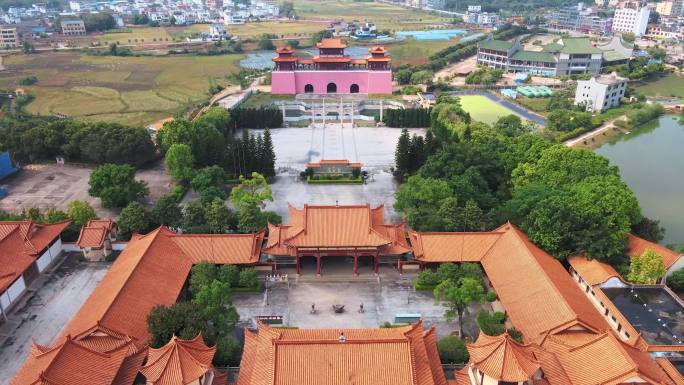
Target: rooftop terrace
653,311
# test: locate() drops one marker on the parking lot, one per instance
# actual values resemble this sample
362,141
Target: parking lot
372,146
42,315
53,186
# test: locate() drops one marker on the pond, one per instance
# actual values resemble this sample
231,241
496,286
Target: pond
434,34
651,163
263,59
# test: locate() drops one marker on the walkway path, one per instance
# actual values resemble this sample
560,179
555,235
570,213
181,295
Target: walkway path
595,132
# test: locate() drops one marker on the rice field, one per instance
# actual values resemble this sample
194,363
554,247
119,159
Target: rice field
129,90
483,109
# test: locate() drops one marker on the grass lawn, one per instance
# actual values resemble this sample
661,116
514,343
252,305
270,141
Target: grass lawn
412,51
263,99
667,86
386,16
129,90
483,109
537,105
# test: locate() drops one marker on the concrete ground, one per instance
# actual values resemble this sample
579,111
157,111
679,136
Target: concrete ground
54,186
382,297
372,146
42,314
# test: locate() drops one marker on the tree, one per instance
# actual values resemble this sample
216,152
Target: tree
452,350
219,218
201,275
491,324
209,177
228,351
419,199
456,296
180,162
254,191
183,319
98,21
647,268
230,274
80,212
115,185
403,76
249,278
217,117
265,43
401,154
510,125
215,304
268,155
422,77
649,229
676,281
628,37
194,221
134,218
167,212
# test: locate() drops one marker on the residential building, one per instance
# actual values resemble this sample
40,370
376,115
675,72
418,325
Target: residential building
218,32
600,92
631,19
568,56
488,19
670,8
73,27
579,18
331,71
9,37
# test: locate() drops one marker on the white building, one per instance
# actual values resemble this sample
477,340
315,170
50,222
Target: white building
218,32
600,92
475,8
670,8
634,20
9,37
487,19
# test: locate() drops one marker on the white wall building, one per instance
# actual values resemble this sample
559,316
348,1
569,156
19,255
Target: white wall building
600,92
634,20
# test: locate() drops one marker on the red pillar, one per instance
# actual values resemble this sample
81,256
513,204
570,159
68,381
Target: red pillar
356,264
375,262
318,264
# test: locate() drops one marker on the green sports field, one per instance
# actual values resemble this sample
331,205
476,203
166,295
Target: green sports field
483,109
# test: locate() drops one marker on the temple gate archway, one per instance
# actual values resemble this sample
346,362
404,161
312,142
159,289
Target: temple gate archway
332,88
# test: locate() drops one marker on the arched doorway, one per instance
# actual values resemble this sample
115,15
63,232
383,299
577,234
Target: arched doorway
308,89
354,89
332,88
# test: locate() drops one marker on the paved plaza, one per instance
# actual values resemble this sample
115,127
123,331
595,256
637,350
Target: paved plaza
42,314
382,296
372,146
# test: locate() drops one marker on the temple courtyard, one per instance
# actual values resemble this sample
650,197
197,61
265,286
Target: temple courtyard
372,146
383,298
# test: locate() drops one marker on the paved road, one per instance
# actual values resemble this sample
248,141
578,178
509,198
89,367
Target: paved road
595,132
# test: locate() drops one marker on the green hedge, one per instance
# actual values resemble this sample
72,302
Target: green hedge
309,180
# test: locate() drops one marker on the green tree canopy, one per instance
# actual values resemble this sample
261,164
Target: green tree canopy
80,212
134,218
452,350
647,268
180,162
167,212
456,296
115,185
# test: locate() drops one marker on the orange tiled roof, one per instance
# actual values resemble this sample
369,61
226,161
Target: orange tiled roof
534,288
72,363
21,242
397,356
285,49
377,49
331,43
235,249
451,247
178,362
92,237
637,246
591,270
126,294
671,371
605,360
502,358
335,227
285,59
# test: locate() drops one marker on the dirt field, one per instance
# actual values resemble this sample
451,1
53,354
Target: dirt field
54,186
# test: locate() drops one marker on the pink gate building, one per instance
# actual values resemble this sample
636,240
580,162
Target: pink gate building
331,71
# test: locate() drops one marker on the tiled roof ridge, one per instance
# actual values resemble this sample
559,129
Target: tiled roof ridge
172,350
517,233
155,233
506,342
246,235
